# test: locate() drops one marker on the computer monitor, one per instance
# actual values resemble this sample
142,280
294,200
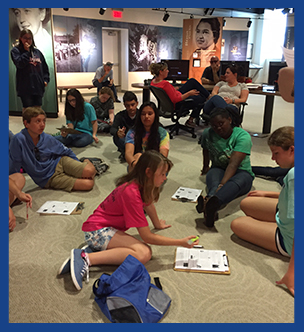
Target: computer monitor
178,70
273,73
243,67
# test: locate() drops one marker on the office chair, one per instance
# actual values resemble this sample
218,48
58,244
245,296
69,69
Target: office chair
205,117
167,110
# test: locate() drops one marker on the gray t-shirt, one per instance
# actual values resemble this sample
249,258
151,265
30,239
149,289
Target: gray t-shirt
233,92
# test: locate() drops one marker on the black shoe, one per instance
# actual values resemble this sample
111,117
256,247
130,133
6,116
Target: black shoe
201,202
211,215
117,101
122,158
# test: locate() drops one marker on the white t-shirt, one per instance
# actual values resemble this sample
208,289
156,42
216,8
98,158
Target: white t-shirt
233,92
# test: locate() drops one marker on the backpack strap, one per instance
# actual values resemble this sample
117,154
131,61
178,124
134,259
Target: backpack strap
157,283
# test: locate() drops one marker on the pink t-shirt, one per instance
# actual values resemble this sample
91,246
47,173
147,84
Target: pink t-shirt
174,95
122,209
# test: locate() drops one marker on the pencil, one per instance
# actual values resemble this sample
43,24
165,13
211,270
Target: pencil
26,212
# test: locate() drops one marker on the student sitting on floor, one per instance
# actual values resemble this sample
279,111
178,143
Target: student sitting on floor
230,176
124,208
124,121
104,107
147,134
47,161
269,220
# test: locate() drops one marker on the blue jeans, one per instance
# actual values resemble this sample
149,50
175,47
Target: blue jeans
216,101
238,185
197,104
120,143
77,140
106,83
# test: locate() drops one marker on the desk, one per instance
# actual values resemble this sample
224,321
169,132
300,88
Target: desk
268,108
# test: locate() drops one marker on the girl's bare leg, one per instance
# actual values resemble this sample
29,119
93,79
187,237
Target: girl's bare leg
120,246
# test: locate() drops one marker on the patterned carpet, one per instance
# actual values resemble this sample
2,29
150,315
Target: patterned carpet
38,246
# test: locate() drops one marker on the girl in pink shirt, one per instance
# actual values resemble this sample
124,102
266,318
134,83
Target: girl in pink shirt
105,229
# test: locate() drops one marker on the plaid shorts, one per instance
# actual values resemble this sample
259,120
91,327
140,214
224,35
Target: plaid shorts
99,240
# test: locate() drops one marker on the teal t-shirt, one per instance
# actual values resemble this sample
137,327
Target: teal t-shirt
285,214
221,149
86,124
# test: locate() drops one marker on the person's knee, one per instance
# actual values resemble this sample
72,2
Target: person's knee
89,170
84,184
144,254
235,225
245,203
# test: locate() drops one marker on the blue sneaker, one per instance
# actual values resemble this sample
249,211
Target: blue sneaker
79,267
66,265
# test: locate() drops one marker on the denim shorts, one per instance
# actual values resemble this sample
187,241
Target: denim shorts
99,240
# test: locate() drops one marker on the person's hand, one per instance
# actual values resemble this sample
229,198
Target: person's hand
186,239
193,92
95,138
205,170
163,224
63,133
25,198
11,219
45,84
257,193
26,46
287,280
228,100
121,132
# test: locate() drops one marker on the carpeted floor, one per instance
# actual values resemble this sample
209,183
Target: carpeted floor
39,245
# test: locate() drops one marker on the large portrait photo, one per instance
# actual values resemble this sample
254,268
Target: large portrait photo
201,40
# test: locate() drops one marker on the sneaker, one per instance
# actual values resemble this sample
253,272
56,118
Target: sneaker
66,265
79,267
190,124
117,101
122,158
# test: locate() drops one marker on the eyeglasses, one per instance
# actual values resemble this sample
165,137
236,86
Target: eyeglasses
73,100
37,153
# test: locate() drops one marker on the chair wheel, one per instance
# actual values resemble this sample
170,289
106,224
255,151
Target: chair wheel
193,135
171,136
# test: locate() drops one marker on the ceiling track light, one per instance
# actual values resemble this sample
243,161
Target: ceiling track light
166,16
206,11
102,11
65,9
285,11
224,22
191,16
249,23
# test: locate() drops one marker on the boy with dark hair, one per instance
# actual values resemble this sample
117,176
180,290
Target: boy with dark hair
47,161
123,121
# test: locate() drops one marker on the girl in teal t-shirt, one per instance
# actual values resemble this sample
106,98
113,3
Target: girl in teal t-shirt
269,220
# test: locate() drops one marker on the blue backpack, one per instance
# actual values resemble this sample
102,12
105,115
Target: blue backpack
128,296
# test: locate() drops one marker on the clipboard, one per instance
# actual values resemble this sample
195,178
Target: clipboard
69,130
201,260
56,208
184,194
